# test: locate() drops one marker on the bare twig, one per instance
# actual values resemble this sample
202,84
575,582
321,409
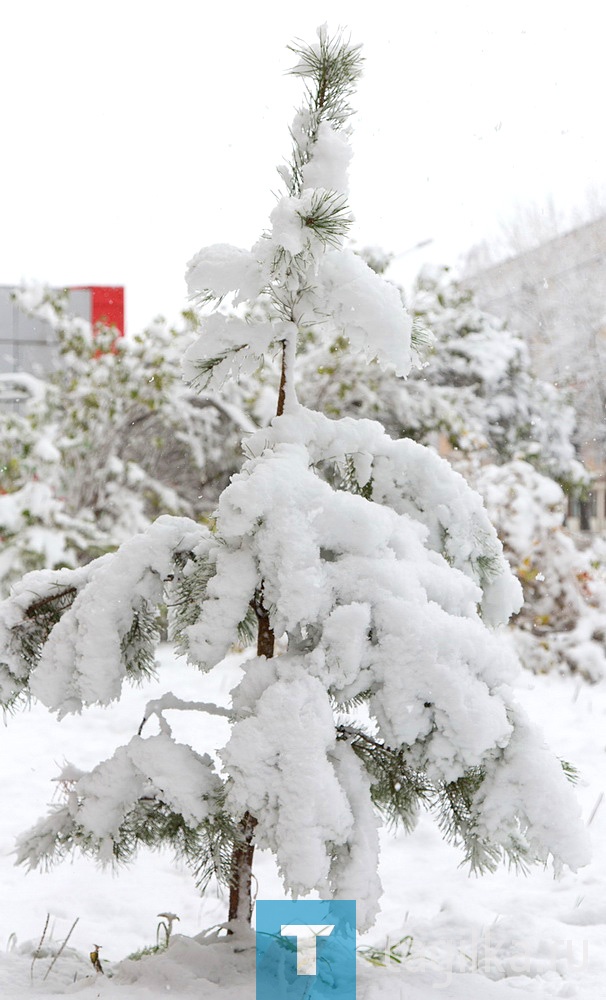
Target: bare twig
169,700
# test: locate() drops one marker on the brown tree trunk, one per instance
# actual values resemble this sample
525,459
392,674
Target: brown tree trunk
240,895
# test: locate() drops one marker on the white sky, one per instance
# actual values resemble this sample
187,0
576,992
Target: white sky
135,132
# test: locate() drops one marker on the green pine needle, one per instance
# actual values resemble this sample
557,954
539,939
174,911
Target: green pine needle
328,217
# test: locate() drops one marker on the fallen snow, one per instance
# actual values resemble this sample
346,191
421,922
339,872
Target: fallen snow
493,938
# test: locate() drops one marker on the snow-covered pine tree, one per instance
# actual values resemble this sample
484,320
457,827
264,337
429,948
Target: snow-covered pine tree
371,560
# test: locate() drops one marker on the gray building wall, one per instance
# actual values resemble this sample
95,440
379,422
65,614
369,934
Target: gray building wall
28,344
555,297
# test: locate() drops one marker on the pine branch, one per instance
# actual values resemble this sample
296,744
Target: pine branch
328,217
422,341
206,848
138,646
350,481
53,604
397,790
192,576
206,366
457,820
330,69
168,702
571,772
32,632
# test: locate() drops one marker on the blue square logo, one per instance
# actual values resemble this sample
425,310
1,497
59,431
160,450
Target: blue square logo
306,949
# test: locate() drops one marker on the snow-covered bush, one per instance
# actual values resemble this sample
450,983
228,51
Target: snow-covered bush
562,622
483,371
474,397
525,431
370,559
112,438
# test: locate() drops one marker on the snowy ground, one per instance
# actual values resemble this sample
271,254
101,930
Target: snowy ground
478,939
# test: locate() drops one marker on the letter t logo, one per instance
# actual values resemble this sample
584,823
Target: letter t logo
290,959
306,935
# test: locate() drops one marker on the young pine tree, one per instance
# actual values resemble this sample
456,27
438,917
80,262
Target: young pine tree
369,559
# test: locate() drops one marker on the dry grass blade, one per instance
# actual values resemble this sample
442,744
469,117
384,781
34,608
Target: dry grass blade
61,948
40,943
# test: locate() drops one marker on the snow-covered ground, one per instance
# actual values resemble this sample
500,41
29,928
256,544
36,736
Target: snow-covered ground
458,937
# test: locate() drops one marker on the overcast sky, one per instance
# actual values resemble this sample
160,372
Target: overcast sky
135,132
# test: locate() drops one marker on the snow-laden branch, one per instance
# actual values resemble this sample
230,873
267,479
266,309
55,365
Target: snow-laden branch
168,701
415,482
21,383
119,796
107,632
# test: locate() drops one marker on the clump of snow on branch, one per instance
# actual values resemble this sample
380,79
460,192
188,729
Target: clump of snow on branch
99,803
84,659
221,268
523,781
290,733
329,161
368,308
414,481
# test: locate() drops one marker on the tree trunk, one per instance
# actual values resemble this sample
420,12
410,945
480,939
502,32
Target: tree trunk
240,895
